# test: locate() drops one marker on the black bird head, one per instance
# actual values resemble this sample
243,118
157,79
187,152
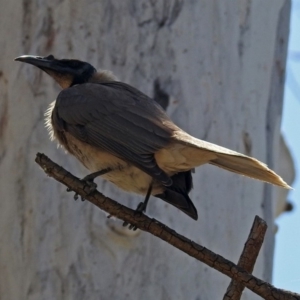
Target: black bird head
66,72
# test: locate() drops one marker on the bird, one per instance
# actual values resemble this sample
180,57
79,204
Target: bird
119,133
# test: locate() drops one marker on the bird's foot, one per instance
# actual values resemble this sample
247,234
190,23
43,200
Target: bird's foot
90,183
140,209
131,226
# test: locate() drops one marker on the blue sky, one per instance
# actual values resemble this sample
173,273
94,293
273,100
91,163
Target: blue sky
287,250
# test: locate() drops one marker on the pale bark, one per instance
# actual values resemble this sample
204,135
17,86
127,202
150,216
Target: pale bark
217,62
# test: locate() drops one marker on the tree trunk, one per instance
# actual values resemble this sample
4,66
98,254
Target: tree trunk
217,67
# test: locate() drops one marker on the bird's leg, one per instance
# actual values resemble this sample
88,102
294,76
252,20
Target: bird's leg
142,206
89,180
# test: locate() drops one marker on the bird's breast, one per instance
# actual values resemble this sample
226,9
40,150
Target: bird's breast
124,175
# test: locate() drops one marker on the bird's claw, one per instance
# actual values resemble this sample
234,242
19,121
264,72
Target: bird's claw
130,227
140,209
90,183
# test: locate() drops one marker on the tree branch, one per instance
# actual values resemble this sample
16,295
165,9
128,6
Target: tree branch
248,257
264,289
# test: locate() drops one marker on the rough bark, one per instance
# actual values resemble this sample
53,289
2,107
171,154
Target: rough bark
248,257
215,62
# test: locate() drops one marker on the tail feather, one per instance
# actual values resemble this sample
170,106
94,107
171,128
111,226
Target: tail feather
250,167
227,159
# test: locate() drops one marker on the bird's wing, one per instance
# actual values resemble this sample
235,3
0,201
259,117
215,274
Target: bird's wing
117,118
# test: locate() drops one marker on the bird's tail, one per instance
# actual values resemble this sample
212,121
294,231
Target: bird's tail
248,166
225,159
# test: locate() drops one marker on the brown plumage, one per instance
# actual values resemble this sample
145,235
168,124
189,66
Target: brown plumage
109,124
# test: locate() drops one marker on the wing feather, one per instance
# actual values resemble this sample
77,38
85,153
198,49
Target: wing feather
117,118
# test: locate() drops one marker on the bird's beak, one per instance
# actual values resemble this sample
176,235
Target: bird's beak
47,62
53,67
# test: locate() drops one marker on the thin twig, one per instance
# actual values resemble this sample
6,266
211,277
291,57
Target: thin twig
264,289
248,257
